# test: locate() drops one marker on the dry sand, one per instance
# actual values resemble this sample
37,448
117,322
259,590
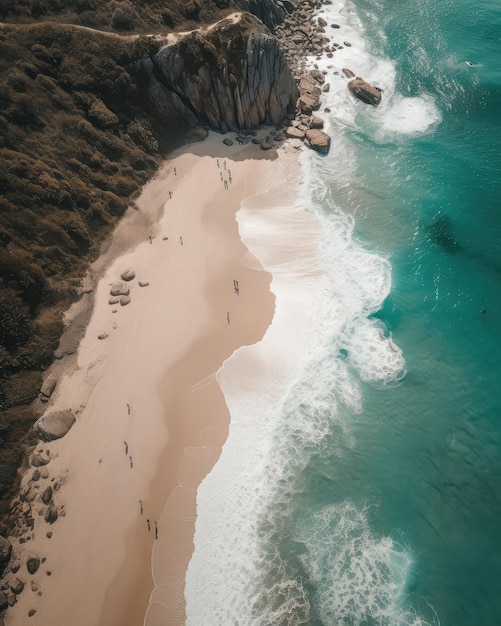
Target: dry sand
159,359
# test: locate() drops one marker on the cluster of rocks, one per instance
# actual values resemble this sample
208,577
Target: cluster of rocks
35,498
120,291
300,36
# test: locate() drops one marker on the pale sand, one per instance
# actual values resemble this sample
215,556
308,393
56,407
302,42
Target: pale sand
160,358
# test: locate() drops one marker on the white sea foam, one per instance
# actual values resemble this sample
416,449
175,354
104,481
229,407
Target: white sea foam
357,577
291,397
397,115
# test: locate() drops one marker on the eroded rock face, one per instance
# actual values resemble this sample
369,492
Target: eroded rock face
54,425
231,77
364,91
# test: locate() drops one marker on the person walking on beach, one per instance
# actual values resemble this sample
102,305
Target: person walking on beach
170,195
148,522
228,316
141,506
156,531
126,447
175,173
217,161
181,240
149,237
131,463
128,412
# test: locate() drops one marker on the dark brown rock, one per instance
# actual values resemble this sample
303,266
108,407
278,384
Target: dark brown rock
348,73
33,563
46,496
364,91
317,122
318,140
17,586
54,425
127,275
51,514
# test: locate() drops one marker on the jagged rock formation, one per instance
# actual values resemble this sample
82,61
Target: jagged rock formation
270,12
364,91
231,76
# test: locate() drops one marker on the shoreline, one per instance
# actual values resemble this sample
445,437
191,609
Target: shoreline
70,461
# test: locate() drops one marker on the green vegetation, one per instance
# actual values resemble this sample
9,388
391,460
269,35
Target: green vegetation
120,15
76,141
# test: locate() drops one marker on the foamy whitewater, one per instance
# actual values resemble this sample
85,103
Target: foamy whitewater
291,529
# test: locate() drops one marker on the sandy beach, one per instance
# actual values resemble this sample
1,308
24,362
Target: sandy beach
151,418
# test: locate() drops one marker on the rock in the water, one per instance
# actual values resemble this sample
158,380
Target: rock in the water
5,552
227,141
54,425
127,275
119,289
316,122
124,300
48,386
364,91
348,73
4,602
32,564
143,283
294,133
318,140
103,335
51,514
46,496
17,586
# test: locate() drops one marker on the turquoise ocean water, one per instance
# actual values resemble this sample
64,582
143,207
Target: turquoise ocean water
382,502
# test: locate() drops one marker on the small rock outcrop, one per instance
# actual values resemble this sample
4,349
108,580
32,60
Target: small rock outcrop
54,425
17,586
364,91
32,564
119,289
47,388
318,140
51,514
127,275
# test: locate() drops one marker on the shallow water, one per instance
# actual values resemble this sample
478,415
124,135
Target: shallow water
361,481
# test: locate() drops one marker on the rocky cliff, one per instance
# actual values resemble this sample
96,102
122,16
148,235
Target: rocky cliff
230,76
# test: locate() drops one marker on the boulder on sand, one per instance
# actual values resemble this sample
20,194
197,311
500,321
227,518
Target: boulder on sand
54,425
119,289
127,275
